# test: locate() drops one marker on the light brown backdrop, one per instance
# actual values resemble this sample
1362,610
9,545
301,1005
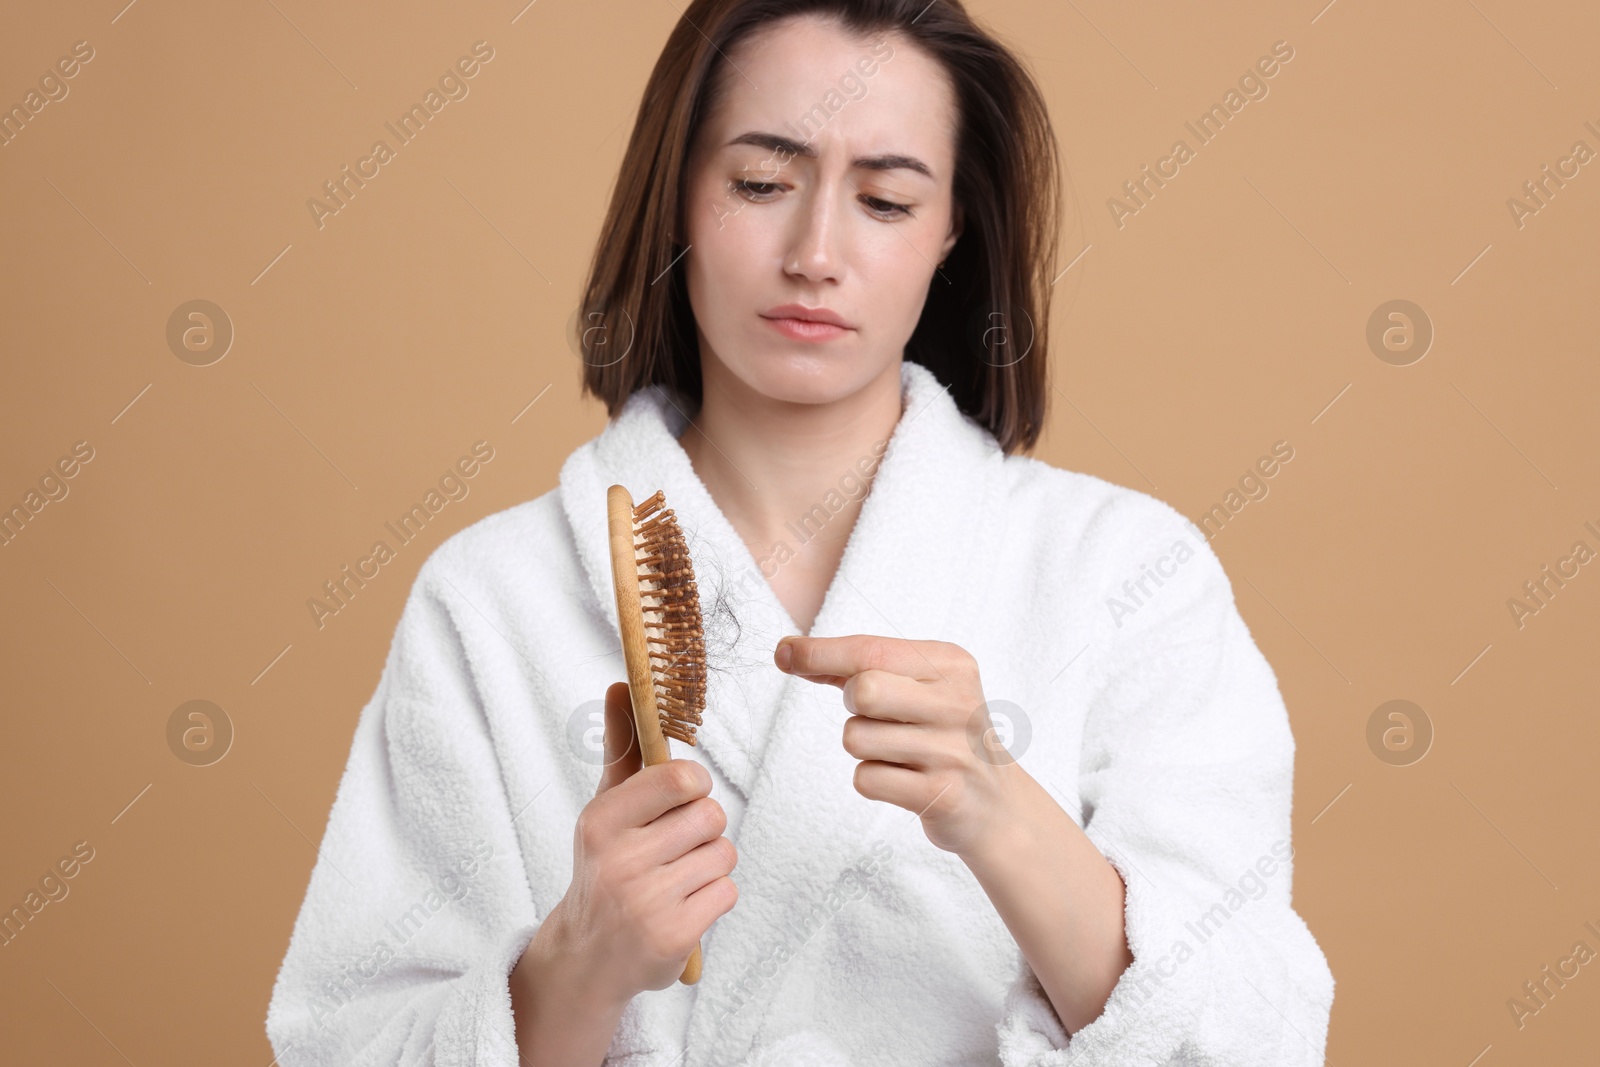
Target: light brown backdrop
1229,313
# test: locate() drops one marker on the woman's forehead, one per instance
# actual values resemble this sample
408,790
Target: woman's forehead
874,93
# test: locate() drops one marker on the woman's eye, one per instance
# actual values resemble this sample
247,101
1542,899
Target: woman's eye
887,207
751,188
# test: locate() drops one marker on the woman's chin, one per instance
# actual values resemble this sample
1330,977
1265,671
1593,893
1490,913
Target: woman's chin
809,378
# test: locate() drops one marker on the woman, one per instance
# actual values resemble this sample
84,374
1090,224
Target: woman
817,315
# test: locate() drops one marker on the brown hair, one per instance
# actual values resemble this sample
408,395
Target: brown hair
997,274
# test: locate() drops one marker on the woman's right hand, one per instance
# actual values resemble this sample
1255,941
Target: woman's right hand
649,867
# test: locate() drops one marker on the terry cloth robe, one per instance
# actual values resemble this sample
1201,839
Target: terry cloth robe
1116,668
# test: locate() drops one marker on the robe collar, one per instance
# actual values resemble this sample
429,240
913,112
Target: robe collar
911,546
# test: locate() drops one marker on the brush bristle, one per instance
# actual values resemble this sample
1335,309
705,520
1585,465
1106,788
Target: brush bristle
672,622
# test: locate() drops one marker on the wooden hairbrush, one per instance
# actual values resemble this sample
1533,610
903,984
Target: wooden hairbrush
663,641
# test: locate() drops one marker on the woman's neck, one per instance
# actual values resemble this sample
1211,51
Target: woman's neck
792,473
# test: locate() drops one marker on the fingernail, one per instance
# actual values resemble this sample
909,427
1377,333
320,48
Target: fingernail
785,655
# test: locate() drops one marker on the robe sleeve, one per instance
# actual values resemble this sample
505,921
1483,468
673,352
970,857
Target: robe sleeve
419,903
1186,778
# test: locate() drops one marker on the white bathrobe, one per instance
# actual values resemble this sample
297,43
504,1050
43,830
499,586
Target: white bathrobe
1117,670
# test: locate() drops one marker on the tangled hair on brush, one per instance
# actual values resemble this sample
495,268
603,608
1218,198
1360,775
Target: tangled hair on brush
720,621
1006,184
723,629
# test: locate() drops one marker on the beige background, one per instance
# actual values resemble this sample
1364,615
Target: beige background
1228,314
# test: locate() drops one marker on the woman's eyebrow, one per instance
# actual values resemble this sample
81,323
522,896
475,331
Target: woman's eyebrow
794,148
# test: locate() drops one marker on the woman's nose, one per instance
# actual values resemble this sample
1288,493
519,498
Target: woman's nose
813,252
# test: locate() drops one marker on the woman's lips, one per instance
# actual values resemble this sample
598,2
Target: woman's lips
802,330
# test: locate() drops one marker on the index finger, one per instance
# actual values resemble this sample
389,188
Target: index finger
653,791
835,660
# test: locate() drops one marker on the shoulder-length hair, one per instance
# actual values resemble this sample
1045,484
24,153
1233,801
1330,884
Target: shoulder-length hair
984,324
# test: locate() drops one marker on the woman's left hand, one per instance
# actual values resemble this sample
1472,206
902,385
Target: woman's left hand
921,729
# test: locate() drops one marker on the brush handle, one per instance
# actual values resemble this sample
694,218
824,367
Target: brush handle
691,969
636,652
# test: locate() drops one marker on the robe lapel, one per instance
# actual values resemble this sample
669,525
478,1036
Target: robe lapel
912,567
904,573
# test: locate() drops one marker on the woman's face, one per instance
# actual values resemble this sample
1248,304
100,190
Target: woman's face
822,179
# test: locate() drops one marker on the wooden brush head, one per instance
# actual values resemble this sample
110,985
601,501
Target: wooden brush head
658,613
